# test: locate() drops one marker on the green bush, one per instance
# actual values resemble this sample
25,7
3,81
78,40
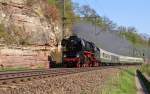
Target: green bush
2,31
52,1
13,69
145,69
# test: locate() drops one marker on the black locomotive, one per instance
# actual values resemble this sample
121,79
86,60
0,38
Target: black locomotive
78,52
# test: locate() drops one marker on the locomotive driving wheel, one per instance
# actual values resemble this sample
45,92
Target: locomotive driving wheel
78,65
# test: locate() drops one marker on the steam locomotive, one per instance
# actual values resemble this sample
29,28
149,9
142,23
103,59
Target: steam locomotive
78,52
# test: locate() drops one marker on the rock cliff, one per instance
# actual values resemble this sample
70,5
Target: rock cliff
31,21
25,22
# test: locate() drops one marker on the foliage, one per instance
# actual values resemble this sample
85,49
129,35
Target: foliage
2,31
68,17
145,69
69,13
15,69
131,34
47,7
86,11
13,36
51,12
4,36
149,42
91,15
52,2
124,83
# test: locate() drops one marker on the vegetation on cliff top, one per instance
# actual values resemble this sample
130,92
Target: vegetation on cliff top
69,13
130,33
54,9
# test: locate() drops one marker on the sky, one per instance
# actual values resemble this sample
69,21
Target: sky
134,13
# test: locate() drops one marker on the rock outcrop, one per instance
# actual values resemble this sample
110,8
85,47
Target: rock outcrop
30,21
25,57
33,22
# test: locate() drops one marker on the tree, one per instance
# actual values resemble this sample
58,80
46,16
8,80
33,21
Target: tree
130,33
149,42
91,15
86,11
109,25
122,29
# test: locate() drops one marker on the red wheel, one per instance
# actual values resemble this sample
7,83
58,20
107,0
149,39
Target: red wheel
84,65
90,65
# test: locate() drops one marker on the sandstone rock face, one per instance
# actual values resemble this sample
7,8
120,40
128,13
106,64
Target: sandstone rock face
13,1
28,16
32,21
25,57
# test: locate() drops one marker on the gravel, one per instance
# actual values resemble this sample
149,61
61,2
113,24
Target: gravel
81,83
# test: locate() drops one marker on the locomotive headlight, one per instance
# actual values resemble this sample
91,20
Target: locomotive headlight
65,55
77,55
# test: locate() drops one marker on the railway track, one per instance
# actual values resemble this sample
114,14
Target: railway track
24,76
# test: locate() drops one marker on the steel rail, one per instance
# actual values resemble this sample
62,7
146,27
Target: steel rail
15,77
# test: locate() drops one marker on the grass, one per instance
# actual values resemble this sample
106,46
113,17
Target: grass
145,68
8,69
123,83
